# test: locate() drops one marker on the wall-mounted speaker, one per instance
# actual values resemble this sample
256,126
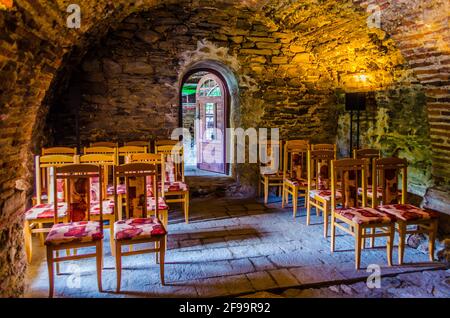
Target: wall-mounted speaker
355,101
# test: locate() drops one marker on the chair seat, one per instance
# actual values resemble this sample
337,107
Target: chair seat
108,207
379,192
269,172
45,211
365,215
176,186
408,212
324,194
138,228
151,204
121,189
296,182
75,232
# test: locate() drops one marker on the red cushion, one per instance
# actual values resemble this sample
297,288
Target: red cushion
138,228
79,232
408,212
45,211
365,215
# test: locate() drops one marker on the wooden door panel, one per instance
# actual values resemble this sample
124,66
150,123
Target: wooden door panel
212,124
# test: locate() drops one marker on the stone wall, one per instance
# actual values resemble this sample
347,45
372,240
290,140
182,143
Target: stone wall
288,58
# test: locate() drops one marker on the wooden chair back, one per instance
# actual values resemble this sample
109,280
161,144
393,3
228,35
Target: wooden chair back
174,161
369,154
294,159
100,150
106,161
126,151
166,142
44,170
59,151
104,144
266,149
349,171
154,159
387,173
331,147
139,143
77,177
136,170
319,169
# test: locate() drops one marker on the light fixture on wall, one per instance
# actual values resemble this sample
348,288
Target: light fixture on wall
6,4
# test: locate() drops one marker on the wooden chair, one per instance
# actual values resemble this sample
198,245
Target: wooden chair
294,172
139,230
409,219
124,152
319,185
158,161
371,155
166,142
351,217
104,144
175,189
331,147
271,173
59,151
139,143
109,213
79,234
42,213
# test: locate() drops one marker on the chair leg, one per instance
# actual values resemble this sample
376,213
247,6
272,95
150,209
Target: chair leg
279,190
358,235
99,261
50,271
186,207
118,264
28,241
156,254
325,221
432,239
390,244
259,187
308,209
333,232
266,190
401,243
58,266
111,237
294,202
41,234
283,196
372,239
162,252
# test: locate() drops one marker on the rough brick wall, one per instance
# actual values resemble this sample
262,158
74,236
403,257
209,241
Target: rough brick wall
311,49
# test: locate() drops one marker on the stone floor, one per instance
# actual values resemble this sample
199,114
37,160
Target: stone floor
426,284
230,247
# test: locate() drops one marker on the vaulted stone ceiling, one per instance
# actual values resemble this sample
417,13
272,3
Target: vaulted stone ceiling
329,38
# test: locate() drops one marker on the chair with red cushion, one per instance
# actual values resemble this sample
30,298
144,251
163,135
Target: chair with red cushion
76,234
410,219
175,188
41,212
319,184
271,172
351,216
294,172
142,228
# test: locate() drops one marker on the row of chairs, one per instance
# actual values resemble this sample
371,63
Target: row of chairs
171,187
69,234
363,192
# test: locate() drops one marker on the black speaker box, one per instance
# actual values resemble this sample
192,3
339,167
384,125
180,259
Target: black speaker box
355,101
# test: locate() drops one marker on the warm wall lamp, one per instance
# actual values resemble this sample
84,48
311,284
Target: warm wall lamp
6,4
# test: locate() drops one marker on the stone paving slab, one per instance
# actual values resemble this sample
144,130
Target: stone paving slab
230,247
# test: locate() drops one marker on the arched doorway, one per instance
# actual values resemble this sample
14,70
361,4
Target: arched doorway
205,113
